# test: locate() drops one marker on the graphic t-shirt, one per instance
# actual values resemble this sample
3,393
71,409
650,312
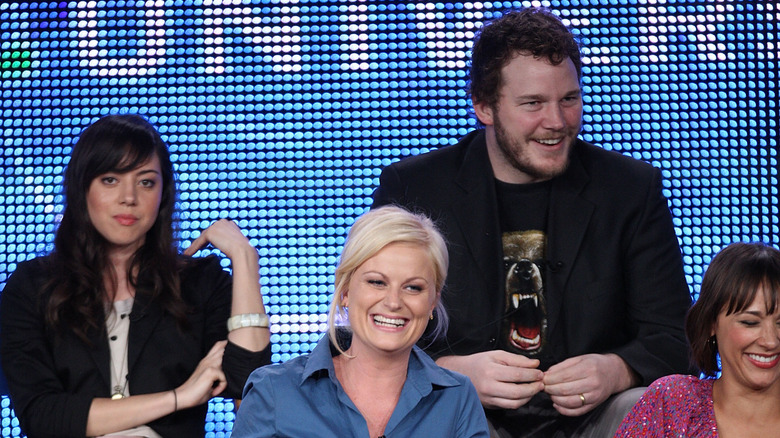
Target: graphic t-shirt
523,216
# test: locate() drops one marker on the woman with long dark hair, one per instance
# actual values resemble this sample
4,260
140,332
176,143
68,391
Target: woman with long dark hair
115,332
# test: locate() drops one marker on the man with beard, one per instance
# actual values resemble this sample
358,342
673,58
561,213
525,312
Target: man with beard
566,286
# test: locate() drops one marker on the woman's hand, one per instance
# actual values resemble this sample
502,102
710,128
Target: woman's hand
227,237
206,381
224,235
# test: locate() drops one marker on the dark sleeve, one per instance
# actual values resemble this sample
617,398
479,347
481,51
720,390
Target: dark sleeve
657,293
237,362
390,189
42,404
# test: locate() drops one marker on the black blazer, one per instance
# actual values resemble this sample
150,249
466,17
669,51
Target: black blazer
615,280
53,377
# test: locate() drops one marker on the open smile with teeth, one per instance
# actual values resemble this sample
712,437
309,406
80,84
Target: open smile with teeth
763,359
389,322
549,141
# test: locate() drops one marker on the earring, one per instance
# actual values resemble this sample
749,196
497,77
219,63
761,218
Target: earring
713,342
431,316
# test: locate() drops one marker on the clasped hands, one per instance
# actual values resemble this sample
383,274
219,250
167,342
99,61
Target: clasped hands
576,385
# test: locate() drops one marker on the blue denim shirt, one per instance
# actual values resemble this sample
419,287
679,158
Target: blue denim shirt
302,398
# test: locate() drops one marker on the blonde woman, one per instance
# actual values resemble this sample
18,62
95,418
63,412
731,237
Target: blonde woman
369,379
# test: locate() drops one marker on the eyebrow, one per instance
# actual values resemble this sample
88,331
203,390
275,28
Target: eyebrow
527,97
385,276
756,313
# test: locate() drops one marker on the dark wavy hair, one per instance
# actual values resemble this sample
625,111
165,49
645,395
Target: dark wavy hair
529,31
115,143
734,277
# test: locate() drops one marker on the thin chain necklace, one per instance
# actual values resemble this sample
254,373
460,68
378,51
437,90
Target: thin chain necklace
118,324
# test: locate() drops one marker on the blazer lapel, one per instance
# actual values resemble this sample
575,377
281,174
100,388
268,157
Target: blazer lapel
101,355
477,209
569,217
145,316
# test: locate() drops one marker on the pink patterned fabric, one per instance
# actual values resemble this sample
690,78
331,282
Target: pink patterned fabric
677,406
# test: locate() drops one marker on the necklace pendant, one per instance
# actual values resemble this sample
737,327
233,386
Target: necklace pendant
117,394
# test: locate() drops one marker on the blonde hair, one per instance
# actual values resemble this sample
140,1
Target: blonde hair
375,230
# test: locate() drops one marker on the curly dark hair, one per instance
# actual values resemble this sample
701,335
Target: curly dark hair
734,277
115,143
530,31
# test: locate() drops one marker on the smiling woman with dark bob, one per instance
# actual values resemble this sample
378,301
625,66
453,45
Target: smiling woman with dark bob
735,319
114,332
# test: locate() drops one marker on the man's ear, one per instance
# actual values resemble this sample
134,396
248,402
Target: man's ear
484,112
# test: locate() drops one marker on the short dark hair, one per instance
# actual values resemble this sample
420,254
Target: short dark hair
734,277
532,31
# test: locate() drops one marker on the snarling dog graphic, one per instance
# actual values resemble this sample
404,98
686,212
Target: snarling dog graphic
525,328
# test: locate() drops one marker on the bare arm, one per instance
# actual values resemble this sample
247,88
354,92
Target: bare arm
107,415
227,237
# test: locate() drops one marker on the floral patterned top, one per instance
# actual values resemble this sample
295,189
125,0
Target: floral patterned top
676,406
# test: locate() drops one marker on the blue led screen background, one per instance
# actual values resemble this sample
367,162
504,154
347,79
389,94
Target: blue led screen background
281,114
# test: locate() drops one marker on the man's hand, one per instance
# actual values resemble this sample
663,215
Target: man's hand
579,384
502,379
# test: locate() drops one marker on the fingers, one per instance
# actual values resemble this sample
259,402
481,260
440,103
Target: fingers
219,385
196,245
579,384
566,371
224,234
214,357
206,381
218,348
502,379
509,395
513,360
574,405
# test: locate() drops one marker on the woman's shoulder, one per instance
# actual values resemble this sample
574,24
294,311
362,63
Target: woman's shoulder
681,380
37,270
681,386
281,374
33,266
439,376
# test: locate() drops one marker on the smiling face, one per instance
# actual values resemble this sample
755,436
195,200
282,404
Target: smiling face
390,299
749,346
532,127
124,206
